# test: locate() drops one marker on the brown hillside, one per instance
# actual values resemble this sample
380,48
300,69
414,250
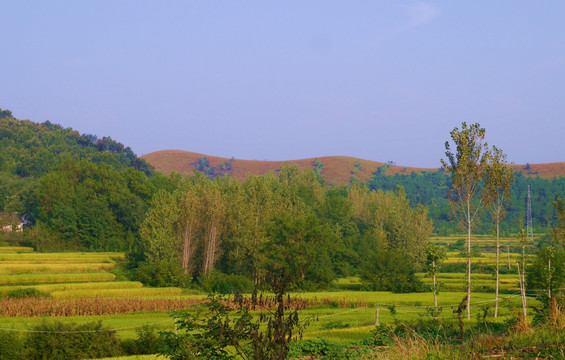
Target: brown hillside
337,169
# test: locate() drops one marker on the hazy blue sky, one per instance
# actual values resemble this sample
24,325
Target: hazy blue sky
279,80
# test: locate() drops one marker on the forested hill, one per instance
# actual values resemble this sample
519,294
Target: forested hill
32,149
334,169
77,190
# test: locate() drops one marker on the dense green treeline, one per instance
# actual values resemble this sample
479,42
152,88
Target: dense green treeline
224,225
77,191
430,189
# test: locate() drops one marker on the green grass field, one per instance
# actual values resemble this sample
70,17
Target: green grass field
343,315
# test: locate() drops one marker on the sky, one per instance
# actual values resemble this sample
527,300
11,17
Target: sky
284,80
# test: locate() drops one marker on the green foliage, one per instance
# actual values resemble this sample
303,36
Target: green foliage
147,342
292,253
209,332
430,189
318,166
11,346
27,293
318,348
90,193
203,165
58,341
220,283
337,324
388,270
162,273
382,335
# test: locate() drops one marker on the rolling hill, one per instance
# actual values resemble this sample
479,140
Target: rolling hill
336,169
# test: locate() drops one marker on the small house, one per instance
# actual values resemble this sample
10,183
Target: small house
11,222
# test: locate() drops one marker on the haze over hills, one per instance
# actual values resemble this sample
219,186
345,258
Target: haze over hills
336,169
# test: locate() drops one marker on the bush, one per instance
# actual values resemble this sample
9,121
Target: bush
60,341
389,270
315,347
338,324
147,342
27,293
163,273
218,282
11,346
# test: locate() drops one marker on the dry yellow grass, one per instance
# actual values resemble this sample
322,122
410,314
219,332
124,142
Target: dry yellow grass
337,169
52,278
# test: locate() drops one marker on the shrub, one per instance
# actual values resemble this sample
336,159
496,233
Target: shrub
27,293
338,324
389,270
147,342
60,341
162,274
11,346
217,282
315,347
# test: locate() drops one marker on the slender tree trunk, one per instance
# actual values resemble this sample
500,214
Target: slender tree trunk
468,259
434,280
497,268
508,248
549,277
210,249
188,249
522,277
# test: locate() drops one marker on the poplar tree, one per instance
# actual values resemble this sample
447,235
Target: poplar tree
468,167
500,178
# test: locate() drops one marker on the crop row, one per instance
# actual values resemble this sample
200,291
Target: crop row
15,249
70,258
53,278
22,268
89,286
118,293
33,307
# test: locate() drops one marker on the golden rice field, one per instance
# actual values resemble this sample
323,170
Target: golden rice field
70,275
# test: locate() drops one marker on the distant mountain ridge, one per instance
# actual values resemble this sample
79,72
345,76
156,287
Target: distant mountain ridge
334,169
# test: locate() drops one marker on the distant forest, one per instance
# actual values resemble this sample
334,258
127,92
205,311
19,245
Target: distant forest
430,189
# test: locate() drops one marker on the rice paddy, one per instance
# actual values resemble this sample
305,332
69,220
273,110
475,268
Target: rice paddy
347,314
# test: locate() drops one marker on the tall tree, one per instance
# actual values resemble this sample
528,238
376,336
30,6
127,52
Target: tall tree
468,167
499,179
187,228
434,257
214,214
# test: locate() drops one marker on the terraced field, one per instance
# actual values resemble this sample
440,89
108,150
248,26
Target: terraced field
83,287
72,276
